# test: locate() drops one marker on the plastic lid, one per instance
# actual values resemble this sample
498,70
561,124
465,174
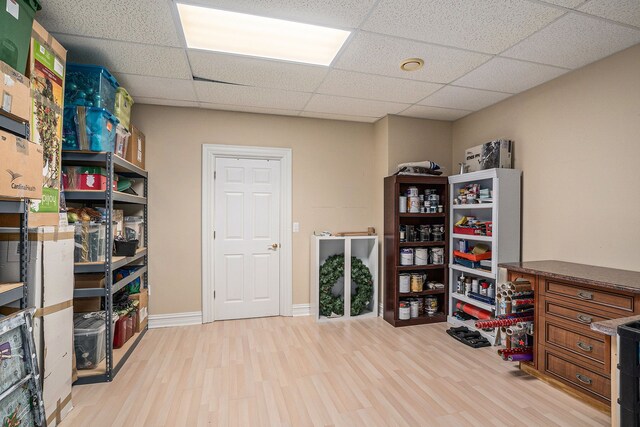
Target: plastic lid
133,219
89,67
87,323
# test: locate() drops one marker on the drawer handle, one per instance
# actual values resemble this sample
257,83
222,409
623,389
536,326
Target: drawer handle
585,295
585,347
584,318
584,379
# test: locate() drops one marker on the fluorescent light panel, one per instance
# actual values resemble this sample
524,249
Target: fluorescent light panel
231,32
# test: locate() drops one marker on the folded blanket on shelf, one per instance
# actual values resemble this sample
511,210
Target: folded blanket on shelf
419,168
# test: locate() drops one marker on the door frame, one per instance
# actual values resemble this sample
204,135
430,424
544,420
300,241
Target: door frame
209,154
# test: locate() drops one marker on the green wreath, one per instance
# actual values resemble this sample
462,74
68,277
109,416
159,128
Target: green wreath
332,270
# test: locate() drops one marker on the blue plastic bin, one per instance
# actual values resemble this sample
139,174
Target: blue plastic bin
90,86
99,130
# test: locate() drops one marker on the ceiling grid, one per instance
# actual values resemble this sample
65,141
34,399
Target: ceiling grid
476,53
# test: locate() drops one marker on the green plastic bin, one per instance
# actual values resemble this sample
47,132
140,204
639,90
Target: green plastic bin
16,20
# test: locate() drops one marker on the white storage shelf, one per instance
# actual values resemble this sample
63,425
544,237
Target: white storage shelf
365,248
504,212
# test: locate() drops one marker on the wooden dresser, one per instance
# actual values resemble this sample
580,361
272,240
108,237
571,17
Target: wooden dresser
569,298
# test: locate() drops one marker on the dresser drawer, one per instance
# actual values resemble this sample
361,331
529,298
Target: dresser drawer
593,349
589,296
576,314
578,376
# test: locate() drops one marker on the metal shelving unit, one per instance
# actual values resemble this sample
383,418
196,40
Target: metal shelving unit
16,291
115,358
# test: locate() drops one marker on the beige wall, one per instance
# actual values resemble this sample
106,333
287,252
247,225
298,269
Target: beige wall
577,140
333,188
413,140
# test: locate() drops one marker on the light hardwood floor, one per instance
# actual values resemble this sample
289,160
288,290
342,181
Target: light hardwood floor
294,372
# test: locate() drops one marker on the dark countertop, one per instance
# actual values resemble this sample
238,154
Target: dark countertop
610,327
611,278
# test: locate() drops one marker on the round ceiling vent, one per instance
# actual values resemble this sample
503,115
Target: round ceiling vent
411,64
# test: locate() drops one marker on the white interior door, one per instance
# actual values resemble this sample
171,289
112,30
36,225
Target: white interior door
247,238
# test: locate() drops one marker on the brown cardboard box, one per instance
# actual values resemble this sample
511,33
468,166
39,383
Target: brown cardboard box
135,149
46,70
20,167
143,308
15,93
84,281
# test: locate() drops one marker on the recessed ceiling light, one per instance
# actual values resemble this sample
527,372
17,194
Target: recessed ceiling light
239,33
411,64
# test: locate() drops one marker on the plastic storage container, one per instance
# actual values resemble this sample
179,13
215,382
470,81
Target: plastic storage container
122,140
90,86
134,229
16,20
90,242
89,339
122,108
88,129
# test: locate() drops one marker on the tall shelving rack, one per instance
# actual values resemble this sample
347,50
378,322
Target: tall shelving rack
394,187
504,212
114,359
16,291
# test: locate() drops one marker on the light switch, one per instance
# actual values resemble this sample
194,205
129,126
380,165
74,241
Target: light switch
296,227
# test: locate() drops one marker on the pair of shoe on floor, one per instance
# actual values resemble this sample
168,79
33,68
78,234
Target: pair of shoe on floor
470,338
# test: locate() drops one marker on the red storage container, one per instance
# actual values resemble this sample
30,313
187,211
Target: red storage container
120,334
131,325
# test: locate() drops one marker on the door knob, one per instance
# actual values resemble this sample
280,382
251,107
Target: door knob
275,246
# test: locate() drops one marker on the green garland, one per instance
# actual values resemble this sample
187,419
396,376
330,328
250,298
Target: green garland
332,270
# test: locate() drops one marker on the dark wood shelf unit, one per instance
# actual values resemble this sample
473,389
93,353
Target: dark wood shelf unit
394,186
423,293
420,244
420,267
422,320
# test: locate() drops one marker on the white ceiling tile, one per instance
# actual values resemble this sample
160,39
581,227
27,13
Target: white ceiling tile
462,98
625,11
256,72
123,57
352,106
565,3
380,54
141,21
216,93
244,109
486,26
157,87
329,116
368,86
509,75
575,40
167,102
333,13
434,113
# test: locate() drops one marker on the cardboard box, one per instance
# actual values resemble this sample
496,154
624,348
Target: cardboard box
490,155
136,148
46,70
143,309
15,93
20,167
50,274
85,281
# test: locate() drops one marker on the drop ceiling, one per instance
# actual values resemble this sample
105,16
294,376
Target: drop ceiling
476,53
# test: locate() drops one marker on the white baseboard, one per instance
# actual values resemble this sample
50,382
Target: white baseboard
301,310
380,312
175,319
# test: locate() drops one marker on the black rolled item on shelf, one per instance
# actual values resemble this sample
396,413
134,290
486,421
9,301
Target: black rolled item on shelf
629,365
